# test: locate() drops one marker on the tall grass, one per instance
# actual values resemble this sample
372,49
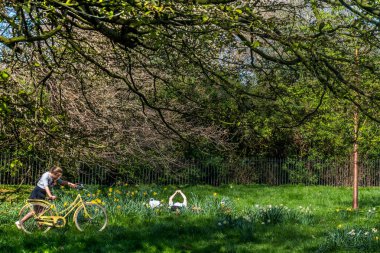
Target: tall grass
230,218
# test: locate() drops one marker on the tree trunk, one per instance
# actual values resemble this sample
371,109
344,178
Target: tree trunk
355,197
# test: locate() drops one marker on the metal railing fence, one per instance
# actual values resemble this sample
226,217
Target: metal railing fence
333,172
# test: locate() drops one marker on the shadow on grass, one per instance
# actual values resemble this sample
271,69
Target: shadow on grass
169,234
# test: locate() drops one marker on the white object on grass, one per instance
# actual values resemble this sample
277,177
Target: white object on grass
178,204
154,203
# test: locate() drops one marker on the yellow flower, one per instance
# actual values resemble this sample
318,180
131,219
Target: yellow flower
165,188
337,210
215,194
376,238
88,195
118,192
154,193
340,226
97,201
109,194
65,204
110,189
145,193
118,207
126,184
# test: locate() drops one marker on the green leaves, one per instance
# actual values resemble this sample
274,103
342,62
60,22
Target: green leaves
4,76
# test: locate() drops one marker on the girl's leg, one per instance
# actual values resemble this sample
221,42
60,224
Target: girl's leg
37,210
27,217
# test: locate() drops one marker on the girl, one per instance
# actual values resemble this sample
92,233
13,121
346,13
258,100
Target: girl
48,179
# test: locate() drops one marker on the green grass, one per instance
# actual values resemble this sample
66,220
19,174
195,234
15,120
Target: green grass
252,219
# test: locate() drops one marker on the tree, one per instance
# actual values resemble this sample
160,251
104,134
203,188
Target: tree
209,75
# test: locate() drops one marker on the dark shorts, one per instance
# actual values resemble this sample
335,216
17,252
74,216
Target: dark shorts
38,193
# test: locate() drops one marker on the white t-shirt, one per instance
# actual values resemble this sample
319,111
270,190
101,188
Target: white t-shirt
46,180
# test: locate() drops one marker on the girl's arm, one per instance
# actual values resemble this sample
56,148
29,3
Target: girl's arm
62,182
72,185
49,193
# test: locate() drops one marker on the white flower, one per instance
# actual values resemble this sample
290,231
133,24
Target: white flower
219,224
374,230
352,232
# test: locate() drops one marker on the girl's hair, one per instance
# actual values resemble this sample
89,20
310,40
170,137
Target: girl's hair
56,170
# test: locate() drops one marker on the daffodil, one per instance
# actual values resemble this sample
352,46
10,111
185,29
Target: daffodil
97,201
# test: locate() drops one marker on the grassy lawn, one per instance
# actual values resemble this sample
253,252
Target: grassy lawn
250,219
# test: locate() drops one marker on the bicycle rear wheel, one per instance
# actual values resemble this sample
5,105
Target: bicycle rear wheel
32,225
90,217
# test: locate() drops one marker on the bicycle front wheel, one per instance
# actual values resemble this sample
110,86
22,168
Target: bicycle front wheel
34,210
90,217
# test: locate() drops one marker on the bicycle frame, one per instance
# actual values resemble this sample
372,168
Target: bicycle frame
73,206
59,215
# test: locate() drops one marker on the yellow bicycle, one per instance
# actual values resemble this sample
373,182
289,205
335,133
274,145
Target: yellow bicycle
87,215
